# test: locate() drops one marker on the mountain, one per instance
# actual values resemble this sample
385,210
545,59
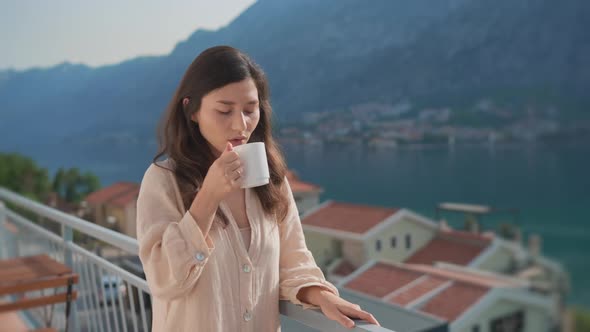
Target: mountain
521,53
296,42
325,55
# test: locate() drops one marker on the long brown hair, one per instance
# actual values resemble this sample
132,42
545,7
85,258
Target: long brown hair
180,138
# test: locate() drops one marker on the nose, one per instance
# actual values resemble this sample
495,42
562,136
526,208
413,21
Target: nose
239,122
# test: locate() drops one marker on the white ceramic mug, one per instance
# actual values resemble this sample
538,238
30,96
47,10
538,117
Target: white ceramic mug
255,164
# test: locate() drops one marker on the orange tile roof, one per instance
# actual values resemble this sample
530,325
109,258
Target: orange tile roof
346,217
382,279
414,292
111,192
126,198
298,186
464,288
451,247
343,269
454,300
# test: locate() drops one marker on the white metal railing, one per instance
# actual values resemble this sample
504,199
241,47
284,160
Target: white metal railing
97,308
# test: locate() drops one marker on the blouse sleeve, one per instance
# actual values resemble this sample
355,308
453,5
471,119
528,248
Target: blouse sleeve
297,267
172,247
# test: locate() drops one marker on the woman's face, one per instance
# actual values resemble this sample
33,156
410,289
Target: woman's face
229,114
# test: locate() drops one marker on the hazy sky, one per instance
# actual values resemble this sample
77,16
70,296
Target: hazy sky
47,32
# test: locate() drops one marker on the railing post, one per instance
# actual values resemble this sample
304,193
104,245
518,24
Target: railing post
3,232
9,245
67,235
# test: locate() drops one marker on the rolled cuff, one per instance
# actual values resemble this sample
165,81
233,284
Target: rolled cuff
203,247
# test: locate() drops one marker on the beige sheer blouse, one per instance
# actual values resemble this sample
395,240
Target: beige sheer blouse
227,285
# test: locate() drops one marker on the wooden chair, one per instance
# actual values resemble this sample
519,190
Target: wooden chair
34,273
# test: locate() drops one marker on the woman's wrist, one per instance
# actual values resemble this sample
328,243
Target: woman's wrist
203,209
207,197
312,295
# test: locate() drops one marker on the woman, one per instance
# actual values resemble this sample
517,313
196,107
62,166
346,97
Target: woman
218,257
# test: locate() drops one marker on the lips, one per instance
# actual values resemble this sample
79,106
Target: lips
238,141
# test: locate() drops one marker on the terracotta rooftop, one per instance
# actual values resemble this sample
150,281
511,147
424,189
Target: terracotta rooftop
343,269
427,284
382,279
452,289
454,300
112,192
298,186
346,217
452,247
126,198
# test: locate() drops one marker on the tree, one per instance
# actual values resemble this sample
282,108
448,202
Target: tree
582,320
22,175
73,186
58,181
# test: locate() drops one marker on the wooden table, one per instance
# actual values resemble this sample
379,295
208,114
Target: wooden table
34,273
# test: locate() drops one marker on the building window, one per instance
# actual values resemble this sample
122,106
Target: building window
393,241
408,241
378,245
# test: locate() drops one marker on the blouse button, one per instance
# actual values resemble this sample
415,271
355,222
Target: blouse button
199,256
247,316
246,268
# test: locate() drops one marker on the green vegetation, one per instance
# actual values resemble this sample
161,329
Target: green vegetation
581,320
22,175
73,186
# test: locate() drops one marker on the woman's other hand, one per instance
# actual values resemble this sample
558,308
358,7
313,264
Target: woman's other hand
335,307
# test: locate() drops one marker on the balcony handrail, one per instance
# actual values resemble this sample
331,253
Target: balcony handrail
121,241
315,319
